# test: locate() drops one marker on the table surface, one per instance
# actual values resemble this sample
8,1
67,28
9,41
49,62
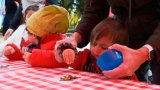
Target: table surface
18,75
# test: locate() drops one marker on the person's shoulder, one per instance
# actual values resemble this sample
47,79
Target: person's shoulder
20,29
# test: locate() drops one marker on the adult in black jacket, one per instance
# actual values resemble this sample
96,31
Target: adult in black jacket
13,17
142,17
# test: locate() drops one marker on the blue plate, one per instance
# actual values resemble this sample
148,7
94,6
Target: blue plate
109,60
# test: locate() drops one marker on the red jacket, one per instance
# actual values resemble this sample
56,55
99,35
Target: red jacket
43,57
47,59
81,59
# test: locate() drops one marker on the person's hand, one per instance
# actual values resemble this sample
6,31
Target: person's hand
73,40
24,49
60,46
8,33
8,50
68,56
132,59
26,57
17,3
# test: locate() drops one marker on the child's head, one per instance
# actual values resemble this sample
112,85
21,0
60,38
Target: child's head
105,34
48,20
30,10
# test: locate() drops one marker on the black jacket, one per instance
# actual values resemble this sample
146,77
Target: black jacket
145,17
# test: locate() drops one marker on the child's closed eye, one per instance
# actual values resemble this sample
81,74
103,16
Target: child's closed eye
104,47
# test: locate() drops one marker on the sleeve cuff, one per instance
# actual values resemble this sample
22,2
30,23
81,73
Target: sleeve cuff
150,49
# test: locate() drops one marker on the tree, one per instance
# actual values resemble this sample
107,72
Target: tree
75,9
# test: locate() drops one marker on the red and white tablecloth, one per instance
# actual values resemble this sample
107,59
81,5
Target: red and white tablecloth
18,75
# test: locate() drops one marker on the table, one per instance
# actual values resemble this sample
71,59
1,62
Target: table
19,75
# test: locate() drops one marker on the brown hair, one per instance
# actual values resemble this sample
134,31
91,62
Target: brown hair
111,29
33,7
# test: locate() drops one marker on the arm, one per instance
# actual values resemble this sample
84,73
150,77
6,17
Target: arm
94,12
14,54
3,44
44,58
17,19
154,42
15,38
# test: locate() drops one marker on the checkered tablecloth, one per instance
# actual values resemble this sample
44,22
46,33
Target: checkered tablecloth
18,75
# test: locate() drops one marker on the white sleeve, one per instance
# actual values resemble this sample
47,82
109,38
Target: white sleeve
15,38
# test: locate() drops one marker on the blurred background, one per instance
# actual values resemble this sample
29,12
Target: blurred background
75,8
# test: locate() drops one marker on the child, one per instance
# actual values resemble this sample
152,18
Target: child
105,34
44,27
19,37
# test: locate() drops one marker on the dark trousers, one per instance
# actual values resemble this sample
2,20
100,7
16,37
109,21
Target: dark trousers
142,72
155,67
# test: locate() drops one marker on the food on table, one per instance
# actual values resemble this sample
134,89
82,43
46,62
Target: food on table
68,78
3,66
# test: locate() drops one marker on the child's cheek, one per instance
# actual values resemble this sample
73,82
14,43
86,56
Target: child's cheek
31,38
